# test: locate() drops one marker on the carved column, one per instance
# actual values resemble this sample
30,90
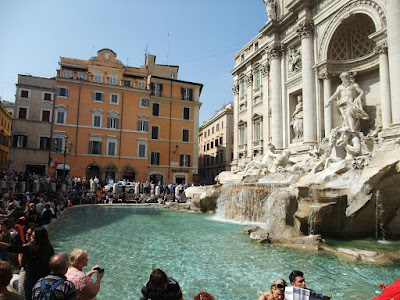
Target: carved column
305,31
393,38
235,90
384,79
275,53
249,94
328,123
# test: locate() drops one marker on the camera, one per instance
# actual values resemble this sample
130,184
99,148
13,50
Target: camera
100,270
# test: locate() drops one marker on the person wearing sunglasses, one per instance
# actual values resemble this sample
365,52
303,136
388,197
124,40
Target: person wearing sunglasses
276,292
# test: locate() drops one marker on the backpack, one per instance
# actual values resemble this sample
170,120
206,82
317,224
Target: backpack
47,291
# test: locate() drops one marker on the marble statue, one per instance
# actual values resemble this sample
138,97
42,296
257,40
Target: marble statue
350,141
297,118
348,103
294,60
271,9
280,161
264,163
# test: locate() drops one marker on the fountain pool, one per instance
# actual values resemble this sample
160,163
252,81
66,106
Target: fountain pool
202,254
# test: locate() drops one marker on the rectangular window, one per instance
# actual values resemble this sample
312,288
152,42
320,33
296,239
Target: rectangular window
111,147
113,79
187,94
217,127
98,96
142,150
96,121
185,160
127,83
212,145
186,113
154,132
141,85
62,91
112,122
114,98
60,142
22,113
208,146
143,126
144,102
156,109
255,46
185,135
60,117
44,143
47,96
156,89
242,135
20,141
45,116
220,140
216,142
257,131
212,130
98,77
95,147
242,88
258,79
24,94
82,76
67,74
155,158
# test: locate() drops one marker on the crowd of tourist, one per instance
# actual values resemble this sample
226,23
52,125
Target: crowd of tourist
25,248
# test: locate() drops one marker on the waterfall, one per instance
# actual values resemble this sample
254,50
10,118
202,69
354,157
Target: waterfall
314,207
244,202
379,211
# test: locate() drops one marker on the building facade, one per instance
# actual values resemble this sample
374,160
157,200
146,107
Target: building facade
33,113
123,122
216,145
5,136
285,76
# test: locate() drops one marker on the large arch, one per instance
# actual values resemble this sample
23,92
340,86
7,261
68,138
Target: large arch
110,172
369,8
129,173
92,170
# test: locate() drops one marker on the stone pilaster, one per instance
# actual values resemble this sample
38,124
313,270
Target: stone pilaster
384,78
266,104
235,89
328,123
305,31
393,39
249,94
275,53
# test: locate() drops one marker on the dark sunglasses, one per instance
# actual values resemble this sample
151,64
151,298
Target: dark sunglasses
279,286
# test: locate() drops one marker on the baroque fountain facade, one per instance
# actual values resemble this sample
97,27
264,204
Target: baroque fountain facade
317,121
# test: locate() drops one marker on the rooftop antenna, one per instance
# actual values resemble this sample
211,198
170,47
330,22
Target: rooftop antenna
146,51
127,61
168,50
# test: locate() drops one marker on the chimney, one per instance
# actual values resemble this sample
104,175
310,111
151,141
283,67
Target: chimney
150,60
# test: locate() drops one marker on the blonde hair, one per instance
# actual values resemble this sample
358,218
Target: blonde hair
76,256
276,282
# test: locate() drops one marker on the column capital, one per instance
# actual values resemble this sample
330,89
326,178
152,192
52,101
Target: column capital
235,88
276,51
305,28
249,79
381,48
324,74
265,69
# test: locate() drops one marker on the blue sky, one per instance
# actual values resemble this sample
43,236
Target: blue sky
200,36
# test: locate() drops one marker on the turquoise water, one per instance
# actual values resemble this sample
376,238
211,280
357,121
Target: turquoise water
202,254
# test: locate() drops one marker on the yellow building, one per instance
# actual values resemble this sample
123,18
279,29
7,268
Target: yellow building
125,122
5,137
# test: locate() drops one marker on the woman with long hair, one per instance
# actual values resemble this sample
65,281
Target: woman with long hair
36,257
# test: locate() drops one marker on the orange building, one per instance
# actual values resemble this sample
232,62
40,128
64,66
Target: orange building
123,122
5,137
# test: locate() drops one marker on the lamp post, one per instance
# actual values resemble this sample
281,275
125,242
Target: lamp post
66,151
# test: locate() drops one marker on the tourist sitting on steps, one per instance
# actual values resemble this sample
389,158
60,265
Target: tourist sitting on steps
5,278
276,292
297,280
161,287
56,283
